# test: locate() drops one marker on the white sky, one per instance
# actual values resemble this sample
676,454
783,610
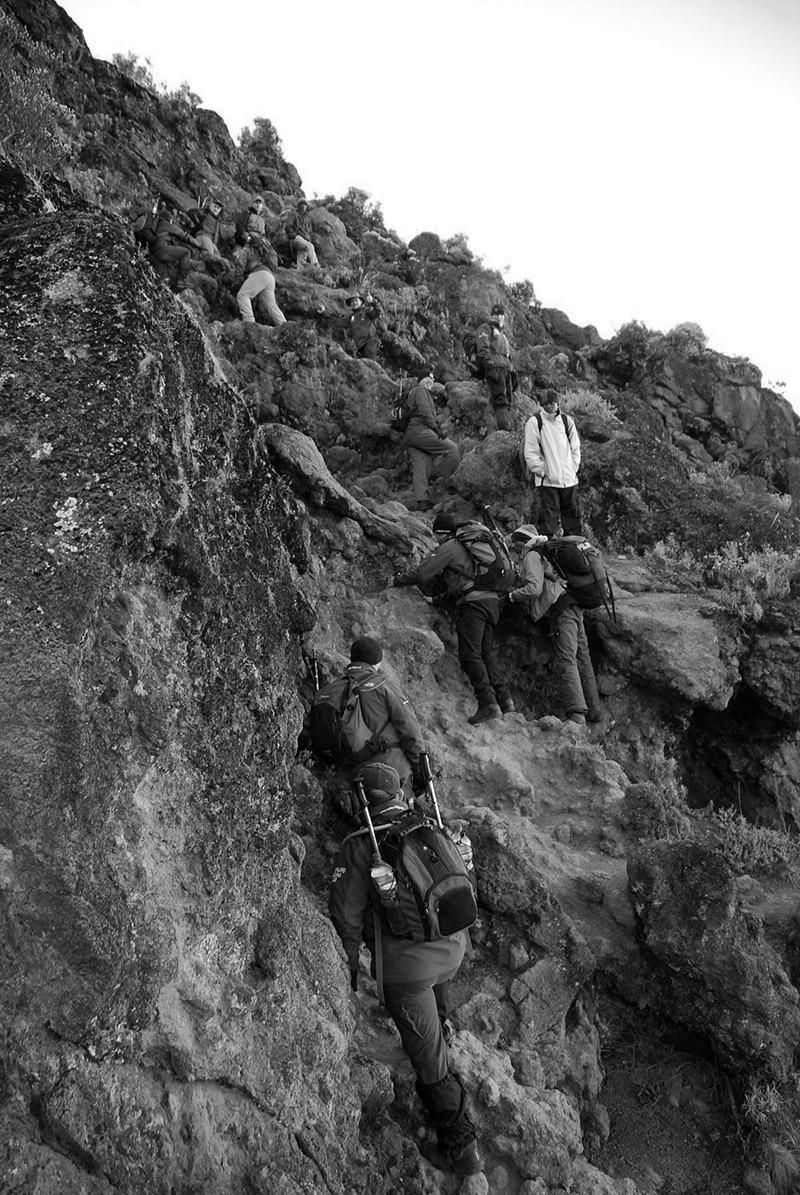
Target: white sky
636,159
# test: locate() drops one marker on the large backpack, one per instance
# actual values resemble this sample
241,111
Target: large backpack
474,364
582,567
337,729
434,890
494,568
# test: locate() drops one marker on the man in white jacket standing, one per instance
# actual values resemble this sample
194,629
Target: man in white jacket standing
553,456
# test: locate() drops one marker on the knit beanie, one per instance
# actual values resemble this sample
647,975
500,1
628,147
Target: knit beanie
366,651
444,522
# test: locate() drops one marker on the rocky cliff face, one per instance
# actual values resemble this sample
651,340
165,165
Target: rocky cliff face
191,506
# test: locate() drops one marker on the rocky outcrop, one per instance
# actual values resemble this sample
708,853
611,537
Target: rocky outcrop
712,967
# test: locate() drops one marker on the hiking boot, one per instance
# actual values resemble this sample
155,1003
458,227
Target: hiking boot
507,706
464,1159
578,719
485,713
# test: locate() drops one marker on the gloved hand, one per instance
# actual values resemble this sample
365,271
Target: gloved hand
400,579
418,782
354,979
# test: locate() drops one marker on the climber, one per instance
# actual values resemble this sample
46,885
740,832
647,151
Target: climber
426,441
251,227
257,260
476,615
170,247
366,326
206,227
297,227
388,714
414,975
494,354
552,450
544,590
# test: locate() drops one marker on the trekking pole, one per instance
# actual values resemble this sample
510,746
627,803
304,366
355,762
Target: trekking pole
425,762
382,873
490,520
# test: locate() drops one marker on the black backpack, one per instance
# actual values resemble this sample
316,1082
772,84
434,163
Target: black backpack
339,735
144,227
474,363
401,412
494,568
582,566
435,893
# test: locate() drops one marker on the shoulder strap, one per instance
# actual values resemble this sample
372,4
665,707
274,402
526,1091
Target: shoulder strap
565,421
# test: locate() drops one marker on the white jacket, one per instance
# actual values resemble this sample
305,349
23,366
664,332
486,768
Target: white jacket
552,457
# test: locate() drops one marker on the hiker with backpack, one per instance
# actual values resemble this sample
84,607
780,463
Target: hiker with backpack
170,247
367,326
256,260
475,568
206,226
494,356
363,718
547,587
552,454
251,227
380,894
299,232
425,440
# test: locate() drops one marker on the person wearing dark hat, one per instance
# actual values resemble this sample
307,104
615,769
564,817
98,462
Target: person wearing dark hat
367,326
544,590
476,614
387,712
552,450
170,247
426,442
415,976
494,354
299,233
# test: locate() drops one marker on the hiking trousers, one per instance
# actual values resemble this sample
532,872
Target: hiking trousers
418,1008
369,349
164,256
475,623
424,447
207,245
259,285
557,504
500,394
305,253
574,665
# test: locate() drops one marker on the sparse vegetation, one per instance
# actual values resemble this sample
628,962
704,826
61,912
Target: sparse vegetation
31,119
262,141
141,72
357,211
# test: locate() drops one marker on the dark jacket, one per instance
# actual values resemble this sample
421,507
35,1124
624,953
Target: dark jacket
366,324
352,909
299,224
387,713
453,560
256,257
423,412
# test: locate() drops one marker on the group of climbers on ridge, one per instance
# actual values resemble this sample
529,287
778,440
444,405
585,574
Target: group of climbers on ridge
414,972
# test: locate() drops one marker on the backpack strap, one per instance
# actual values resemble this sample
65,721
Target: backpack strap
378,956
564,420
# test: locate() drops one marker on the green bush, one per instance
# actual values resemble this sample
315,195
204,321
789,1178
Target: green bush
31,120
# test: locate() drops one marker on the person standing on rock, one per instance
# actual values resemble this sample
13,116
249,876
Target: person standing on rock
552,450
543,590
299,234
476,614
258,259
426,442
413,976
207,224
494,353
367,326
